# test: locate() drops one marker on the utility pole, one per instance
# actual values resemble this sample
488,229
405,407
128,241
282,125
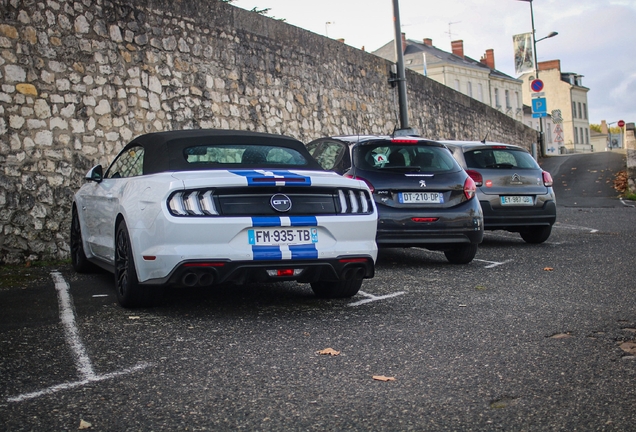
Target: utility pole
401,73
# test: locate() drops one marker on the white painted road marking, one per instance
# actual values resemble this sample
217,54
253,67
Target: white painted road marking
575,227
371,298
627,205
491,264
71,333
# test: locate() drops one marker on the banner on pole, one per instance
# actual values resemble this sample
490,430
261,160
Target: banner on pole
524,56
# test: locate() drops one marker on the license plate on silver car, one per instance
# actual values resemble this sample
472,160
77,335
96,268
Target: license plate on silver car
420,198
517,200
282,236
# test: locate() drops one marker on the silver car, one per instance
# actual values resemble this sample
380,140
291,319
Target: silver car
515,194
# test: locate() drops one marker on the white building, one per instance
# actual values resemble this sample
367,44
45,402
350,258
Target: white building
476,79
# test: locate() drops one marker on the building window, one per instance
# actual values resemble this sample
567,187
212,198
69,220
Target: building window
480,93
576,135
587,136
517,100
580,111
457,85
497,103
507,93
573,109
585,111
470,89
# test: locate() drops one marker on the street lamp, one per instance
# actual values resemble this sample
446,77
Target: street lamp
536,70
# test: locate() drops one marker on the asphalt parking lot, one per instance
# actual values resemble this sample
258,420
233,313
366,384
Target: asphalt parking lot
526,337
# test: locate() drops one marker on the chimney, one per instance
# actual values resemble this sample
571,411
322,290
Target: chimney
458,48
403,42
604,128
489,58
428,41
550,64
341,40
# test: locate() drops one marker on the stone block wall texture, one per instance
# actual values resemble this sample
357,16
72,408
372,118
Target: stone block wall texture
79,79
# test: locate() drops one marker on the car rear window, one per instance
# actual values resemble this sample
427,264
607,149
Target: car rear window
237,154
412,157
500,159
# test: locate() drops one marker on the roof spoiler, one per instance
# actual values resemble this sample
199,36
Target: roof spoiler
405,132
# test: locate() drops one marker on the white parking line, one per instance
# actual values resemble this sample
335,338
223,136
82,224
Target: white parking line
575,227
371,298
71,333
492,264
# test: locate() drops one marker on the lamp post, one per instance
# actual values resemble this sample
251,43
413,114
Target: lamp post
536,70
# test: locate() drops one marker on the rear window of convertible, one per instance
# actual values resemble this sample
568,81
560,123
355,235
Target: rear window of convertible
244,154
407,158
500,159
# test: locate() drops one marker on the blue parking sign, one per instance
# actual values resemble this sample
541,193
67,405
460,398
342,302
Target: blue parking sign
539,105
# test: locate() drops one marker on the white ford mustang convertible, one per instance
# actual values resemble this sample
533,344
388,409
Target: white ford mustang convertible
204,207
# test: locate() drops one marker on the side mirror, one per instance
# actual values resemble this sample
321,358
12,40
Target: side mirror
95,174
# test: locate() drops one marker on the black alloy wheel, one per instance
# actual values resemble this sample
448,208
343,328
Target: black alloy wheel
80,263
129,293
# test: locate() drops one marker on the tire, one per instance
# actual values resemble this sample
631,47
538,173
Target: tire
461,255
336,289
80,263
536,235
129,293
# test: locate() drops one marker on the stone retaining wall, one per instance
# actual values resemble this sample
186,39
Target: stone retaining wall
79,79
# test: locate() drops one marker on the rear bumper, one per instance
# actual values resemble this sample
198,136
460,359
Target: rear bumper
211,272
516,219
459,225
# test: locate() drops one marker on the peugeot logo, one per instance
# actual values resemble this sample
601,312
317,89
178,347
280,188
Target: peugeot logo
281,203
422,183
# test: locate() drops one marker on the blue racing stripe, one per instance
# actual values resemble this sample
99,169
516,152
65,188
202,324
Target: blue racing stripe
265,221
304,251
267,253
303,221
259,179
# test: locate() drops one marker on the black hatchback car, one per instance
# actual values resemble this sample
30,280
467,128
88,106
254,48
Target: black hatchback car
424,197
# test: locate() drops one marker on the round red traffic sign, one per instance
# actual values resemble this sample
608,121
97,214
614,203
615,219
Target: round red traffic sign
536,85
621,123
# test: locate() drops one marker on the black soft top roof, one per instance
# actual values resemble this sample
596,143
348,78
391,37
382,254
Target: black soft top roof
164,151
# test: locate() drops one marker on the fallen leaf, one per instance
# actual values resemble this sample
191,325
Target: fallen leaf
561,336
548,268
383,378
628,347
84,425
328,351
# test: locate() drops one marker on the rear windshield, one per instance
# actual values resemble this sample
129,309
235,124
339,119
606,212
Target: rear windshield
408,158
237,154
500,159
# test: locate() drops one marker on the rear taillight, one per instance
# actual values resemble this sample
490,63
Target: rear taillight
363,179
469,188
477,178
547,179
404,141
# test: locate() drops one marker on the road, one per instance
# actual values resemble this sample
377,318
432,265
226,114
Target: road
526,337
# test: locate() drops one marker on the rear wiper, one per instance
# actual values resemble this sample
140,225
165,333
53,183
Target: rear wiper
401,168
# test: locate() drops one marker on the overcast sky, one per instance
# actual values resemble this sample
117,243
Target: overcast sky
596,37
